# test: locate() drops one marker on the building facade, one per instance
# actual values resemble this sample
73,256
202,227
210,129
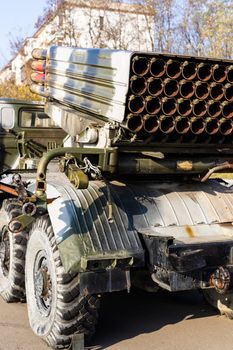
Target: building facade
86,23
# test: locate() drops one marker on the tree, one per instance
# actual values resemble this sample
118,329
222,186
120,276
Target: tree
10,90
206,28
16,43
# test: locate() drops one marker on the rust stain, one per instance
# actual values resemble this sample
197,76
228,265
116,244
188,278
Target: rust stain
189,231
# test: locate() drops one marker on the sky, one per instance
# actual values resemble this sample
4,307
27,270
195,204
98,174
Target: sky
18,18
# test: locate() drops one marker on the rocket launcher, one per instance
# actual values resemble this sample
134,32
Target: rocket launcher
186,99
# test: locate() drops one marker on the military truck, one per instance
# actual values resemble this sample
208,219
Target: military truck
134,202
26,132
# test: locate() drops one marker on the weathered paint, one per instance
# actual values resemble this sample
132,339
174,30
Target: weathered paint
190,213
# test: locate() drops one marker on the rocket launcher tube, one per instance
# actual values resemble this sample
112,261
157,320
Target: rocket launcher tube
133,122
216,91
202,90
199,108
140,65
138,85
227,109
173,69
186,88
184,107
197,125
214,108
166,124
38,89
136,104
39,54
153,104
151,123
168,106
219,73
154,86
189,70
157,67
171,87
211,126
228,92
230,74
225,126
38,65
204,71
38,77
182,125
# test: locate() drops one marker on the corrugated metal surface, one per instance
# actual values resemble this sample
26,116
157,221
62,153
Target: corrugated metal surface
81,225
93,80
190,213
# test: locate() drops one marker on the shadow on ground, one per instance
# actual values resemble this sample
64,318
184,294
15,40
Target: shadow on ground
124,316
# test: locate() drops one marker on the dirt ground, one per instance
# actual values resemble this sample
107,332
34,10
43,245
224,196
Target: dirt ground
137,321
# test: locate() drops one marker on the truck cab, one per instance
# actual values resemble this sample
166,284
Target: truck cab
25,132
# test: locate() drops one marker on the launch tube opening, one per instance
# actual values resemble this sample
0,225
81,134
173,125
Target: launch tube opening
219,73
216,91
184,107
228,92
211,126
189,70
151,124
197,126
140,65
201,90
227,110
166,124
169,106
155,86
171,87
153,105
136,104
186,89
204,71
138,85
157,67
182,125
214,109
173,69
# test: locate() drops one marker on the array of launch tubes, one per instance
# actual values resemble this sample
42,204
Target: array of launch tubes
178,96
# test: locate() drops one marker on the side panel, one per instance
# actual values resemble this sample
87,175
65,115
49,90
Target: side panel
188,213
85,233
93,80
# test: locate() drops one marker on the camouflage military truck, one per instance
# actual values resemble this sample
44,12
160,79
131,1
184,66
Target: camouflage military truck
25,133
133,203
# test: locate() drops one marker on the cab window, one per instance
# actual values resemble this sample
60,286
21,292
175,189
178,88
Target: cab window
35,119
7,118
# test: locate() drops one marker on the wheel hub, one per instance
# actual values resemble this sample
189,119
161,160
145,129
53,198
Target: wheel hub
43,285
221,279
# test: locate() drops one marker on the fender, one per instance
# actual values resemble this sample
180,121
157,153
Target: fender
87,239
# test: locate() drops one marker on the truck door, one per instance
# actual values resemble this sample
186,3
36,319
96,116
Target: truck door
8,141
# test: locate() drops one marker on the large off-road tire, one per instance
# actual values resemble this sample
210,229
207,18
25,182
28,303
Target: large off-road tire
222,302
56,310
12,254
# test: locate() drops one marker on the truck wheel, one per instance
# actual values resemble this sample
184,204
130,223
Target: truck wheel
56,310
222,302
12,255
